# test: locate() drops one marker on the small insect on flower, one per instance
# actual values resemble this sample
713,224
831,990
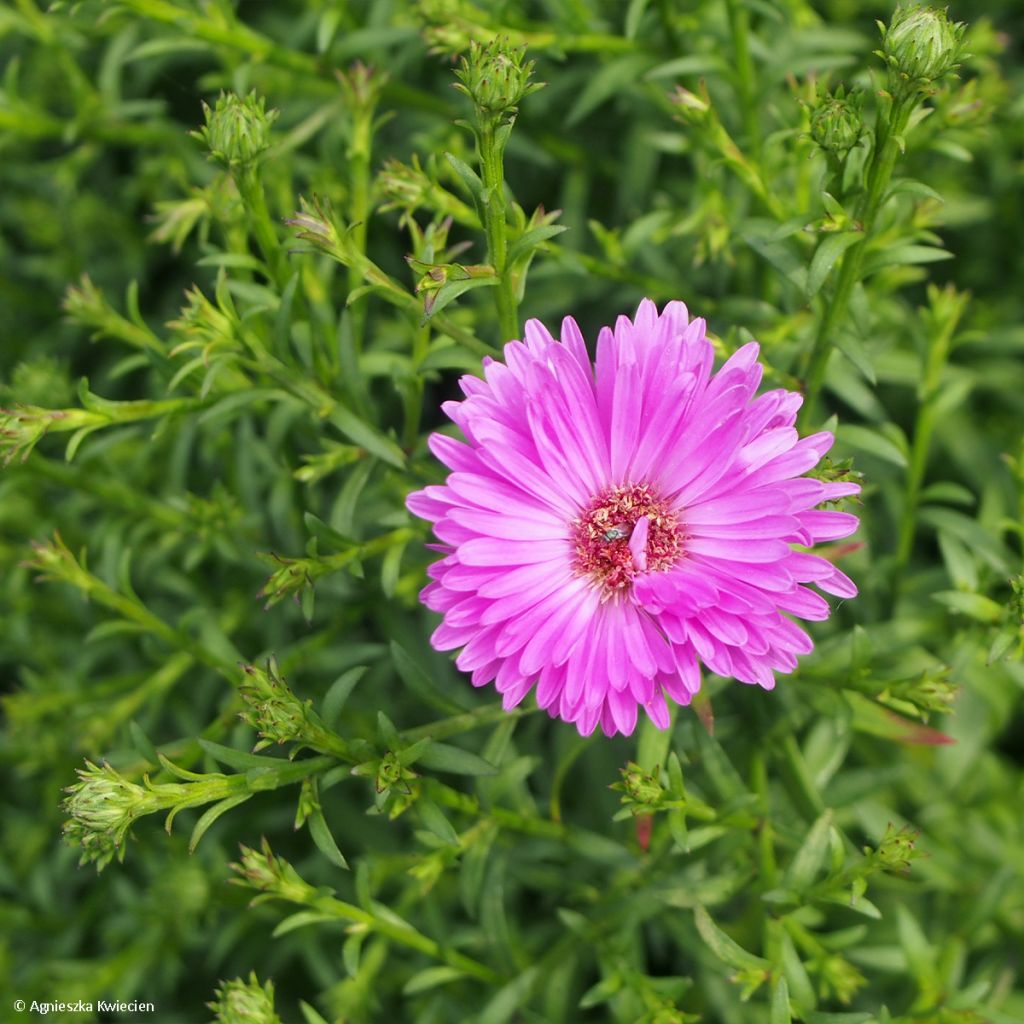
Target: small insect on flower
620,531
609,526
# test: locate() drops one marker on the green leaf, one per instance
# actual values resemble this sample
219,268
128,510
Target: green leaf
971,532
509,998
723,947
902,256
780,1012
865,439
433,818
141,742
361,433
831,247
975,606
329,538
240,760
211,815
469,178
652,748
449,292
529,240
429,978
601,992
421,683
301,920
810,858
443,757
324,840
338,693
611,80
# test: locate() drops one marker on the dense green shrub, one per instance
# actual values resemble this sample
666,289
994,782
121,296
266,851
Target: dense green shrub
265,301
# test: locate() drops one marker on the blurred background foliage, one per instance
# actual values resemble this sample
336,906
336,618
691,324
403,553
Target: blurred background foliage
212,416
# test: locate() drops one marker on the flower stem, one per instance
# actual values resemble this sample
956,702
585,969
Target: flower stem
888,141
929,392
251,190
491,146
739,26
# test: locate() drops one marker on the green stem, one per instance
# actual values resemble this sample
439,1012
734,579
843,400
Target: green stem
491,149
888,135
403,933
924,425
359,151
412,395
746,86
251,190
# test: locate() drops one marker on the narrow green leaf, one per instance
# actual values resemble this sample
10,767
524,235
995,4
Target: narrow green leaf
528,241
211,815
450,291
780,1012
831,247
469,178
508,999
421,684
240,760
361,433
902,256
975,606
865,439
338,693
723,947
433,818
810,857
142,743
429,978
300,920
324,840
443,757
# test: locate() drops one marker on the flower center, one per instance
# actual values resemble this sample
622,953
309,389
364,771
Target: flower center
603,537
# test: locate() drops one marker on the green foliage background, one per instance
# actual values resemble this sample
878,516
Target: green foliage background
824,856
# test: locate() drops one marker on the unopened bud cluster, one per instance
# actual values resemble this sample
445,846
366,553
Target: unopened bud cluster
245,1002
642,792
237,129
102,806
495,77
836,122
920,46
272,876
271,708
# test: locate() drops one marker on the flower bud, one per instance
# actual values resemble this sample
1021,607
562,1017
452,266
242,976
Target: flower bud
245,1002
642,791
495,78
102,806
921,45
836,124
237,129
271,875
270,706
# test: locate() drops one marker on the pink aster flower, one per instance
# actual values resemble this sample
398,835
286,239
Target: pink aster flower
608,528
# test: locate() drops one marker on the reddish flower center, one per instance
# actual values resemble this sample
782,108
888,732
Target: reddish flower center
601,535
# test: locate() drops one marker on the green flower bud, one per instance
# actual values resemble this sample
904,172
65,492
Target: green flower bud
495,78
270,706
642,792
245,1002
237,129
921,45
836,124
102,806
271,875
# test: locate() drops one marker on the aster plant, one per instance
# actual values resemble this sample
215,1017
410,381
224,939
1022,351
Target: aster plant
249,255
